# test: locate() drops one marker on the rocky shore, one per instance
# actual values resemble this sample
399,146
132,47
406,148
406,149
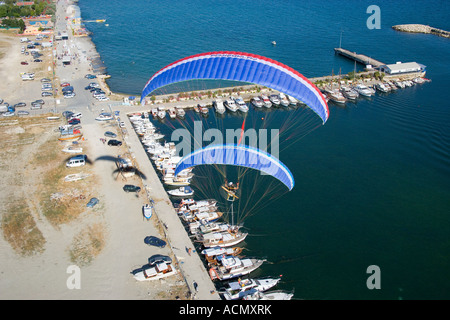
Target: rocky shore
421,28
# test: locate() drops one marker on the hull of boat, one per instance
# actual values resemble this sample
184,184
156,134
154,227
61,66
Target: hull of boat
70,137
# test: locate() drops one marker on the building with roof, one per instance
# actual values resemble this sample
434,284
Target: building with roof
406,69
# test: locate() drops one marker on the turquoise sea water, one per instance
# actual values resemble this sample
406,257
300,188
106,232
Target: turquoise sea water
372,184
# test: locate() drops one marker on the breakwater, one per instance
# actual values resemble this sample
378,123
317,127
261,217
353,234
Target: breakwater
421,28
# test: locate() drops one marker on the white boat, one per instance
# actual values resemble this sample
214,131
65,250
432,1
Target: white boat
72,149
349,93
158,271
400,84
172,113
154,113
273,295
233,267
211,253
257,102
147,210
240,103
239,289
275,99
181,192
292,100
203,109
231,105
363,90
419,80
218,105
337,96
204,215
104,116
266,101
205,226
53,118
181,113
227,238
381,87
284,101
161,113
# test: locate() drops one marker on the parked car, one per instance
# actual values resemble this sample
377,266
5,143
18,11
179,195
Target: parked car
114,142
65,84
90,76
110,134
47,94
154,241
37,60
131,188
92,202
36,106
69,95
22,113
67,114
39,101
46,80
20,104
76,161
24,63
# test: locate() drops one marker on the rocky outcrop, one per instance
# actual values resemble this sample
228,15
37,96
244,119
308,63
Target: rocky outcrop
421,28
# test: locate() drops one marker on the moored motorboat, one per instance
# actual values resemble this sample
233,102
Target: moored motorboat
233,267
292,100
181,192
231,105
272,295
337,97
240,103
227,238
218,106
180,112
257,102
284,101
236,290
172,113
275,99
349,93
363,90
266,101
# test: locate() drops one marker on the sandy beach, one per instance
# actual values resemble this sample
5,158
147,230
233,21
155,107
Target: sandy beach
43,253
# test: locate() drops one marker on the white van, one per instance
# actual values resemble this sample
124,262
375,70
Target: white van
76,161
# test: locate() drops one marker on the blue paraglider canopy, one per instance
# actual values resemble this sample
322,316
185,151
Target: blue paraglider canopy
245,67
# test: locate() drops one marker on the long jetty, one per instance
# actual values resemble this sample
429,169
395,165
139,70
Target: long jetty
360,58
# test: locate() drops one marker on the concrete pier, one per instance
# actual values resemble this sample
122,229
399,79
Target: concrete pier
360,58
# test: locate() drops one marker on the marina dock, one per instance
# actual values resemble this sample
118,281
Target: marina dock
360,58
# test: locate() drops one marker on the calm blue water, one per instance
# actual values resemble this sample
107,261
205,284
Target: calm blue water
372,184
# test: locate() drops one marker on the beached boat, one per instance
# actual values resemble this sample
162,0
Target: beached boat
240,103
273,295
76,135
284,101
275,99
231,105
147,211
104,116
257,102
266,101
218,106
363,90
236,290
181,192
233,267
172,113
160,270
53,118
76,177
72,149
227,238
